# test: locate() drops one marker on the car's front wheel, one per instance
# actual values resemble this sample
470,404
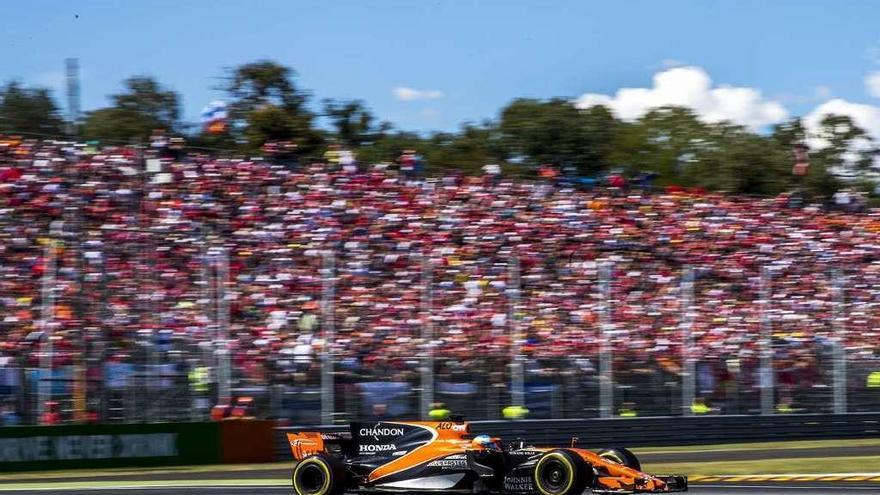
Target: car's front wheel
561,472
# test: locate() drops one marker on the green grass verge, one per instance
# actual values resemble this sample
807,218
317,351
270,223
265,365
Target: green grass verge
800,444
861,464
206,468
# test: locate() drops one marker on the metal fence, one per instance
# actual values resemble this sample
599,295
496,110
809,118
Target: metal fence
598,334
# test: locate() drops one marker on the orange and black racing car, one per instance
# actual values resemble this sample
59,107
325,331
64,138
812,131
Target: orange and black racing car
422,457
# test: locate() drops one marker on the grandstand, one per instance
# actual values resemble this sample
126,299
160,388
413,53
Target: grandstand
123,271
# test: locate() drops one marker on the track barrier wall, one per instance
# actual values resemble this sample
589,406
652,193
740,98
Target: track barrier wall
661,431
30,448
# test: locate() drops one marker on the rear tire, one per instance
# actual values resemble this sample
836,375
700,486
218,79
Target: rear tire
561,472
318,474
621,456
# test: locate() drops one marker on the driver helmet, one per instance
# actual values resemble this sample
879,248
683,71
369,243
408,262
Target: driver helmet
486,442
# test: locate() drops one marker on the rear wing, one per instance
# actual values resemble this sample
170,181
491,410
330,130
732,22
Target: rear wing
307,443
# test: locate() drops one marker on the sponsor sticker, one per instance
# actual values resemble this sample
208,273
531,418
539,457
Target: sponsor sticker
451,426
372,449
519,484
377,431
449,463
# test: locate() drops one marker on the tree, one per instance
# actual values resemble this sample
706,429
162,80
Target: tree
467,150
269,123
145,96
29,110
742,162
353,123
555,131
140,109
263,95
846,152
669,141
390,145
789,134
847,149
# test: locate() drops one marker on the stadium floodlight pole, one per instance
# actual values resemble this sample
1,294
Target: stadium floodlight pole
838,282
328,336
223,363
427,397
766,373
517,379
688,386
47,304
606,372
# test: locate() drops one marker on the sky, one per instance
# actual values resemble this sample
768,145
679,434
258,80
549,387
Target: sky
432,65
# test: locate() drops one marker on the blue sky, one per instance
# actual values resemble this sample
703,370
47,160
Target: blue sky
466,59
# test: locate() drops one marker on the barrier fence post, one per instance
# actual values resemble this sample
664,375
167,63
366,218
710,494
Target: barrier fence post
328,336
427,396
838,282
606,372
689,376
766,373
223,364
517,386
47,314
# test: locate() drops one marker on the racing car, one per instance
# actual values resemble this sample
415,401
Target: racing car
443,456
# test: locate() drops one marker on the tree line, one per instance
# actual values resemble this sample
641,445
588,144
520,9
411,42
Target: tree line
265,103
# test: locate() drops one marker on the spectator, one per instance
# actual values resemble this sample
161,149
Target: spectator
135,261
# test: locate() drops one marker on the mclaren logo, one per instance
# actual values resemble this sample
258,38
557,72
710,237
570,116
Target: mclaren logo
381,432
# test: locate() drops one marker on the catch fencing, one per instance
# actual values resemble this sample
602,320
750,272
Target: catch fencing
588,335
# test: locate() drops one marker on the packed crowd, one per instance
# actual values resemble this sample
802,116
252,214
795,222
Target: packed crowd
134,239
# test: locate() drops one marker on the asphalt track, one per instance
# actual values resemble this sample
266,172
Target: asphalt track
218,484
276,490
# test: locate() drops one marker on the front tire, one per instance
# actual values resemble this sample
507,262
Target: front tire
621,456
560,472
318,475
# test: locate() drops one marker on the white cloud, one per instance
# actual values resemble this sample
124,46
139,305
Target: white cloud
691,87
404,93
872,83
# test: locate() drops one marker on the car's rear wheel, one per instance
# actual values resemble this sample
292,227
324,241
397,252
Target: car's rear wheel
621,456
560,472
318,475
